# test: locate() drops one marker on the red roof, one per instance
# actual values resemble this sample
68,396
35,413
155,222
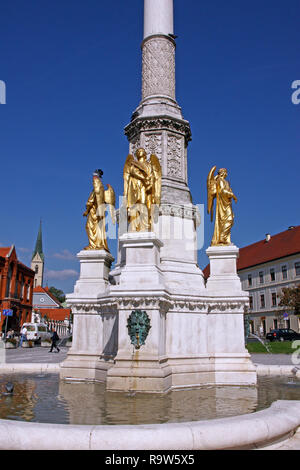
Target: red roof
4,251
282,244
55,313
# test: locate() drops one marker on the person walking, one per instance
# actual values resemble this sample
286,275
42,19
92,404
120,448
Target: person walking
23,335
54,339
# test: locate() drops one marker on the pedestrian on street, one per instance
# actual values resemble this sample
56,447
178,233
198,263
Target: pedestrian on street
23,335
54,339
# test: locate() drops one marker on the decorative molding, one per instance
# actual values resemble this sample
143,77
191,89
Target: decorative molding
183,211
229,307
138,125
111,305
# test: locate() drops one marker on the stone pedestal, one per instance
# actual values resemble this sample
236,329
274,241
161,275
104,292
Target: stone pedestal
94,270
140,255
83,359
141,286
223,279
226,339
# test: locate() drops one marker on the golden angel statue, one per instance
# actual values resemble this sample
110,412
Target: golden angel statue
142,190
95,213
218,187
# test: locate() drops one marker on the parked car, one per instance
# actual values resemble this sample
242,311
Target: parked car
282,334
37,331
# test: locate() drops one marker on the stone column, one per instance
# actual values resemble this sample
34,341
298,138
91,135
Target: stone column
158,126
158,17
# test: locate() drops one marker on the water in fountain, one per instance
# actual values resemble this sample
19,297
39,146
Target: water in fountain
44,398
261,341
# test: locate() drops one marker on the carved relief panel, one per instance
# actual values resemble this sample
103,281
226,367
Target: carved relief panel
175,157
153,145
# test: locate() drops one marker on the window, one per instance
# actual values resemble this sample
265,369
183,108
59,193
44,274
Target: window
249,280
261,277
28,291
262,301
36,269
297,268
251,302
22,286
284,272
274,299
272,274
8,284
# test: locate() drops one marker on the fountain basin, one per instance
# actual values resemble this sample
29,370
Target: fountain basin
250,431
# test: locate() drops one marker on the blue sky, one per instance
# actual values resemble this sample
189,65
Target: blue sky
73,78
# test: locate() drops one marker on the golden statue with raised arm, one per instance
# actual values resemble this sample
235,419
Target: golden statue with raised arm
219,188
142,190
95,213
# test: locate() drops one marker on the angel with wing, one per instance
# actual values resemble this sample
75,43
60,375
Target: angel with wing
95,213
142,190
219,188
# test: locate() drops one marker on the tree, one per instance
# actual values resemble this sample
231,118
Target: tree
58,293
290,298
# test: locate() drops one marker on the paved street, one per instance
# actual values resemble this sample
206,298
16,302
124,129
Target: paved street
35,355
41,355
272,359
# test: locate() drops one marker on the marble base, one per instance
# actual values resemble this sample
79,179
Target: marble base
85,367
195,339
93,280
223,279
136,374
88,338
140,256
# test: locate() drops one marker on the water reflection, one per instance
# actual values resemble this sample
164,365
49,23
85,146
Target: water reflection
43,398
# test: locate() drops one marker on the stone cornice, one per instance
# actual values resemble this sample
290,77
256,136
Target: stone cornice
158,123
165,303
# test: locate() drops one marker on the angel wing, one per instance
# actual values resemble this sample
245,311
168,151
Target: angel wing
156,192
110,199
211,192
126,172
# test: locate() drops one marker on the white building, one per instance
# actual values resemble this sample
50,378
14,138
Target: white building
265,268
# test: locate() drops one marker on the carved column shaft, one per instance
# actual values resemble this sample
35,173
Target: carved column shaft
158,67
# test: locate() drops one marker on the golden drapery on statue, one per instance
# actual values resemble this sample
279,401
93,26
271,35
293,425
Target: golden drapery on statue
95,213
219,188
142,190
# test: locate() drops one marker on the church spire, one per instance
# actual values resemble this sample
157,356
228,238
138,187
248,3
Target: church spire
37,260
39,244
